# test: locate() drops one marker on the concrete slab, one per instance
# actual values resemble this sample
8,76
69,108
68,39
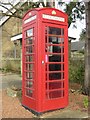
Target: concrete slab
9,80
65,114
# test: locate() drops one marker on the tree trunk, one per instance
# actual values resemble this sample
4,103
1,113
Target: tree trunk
50,3
87,51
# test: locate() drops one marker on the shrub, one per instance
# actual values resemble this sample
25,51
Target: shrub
76,71
85,102
11,66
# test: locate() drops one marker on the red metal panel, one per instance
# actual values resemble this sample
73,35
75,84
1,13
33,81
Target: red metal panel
50,51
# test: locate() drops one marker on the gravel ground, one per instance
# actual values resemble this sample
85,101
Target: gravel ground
12,107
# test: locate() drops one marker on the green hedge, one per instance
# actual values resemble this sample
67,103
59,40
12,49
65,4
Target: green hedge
76,71
11,65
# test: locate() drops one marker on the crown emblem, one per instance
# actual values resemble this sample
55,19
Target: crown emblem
54,12
30,14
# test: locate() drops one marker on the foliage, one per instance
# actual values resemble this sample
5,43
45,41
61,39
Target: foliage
21,8
82,52
11,66
76,71
19,93
85,102
83,35
73,9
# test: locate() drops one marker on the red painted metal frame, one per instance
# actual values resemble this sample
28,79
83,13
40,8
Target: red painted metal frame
39,103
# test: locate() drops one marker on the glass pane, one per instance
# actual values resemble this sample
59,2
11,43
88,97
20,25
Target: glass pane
60,40
46,30
29,58
29,93
29,49
29,40
62,31
56,58
29,75
55,94
29,32
56,31
29,67
55,40
56,76
55,49
29,84
55,85
56,67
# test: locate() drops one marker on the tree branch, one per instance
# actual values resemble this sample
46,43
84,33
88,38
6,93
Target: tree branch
6,8
13,15
14,7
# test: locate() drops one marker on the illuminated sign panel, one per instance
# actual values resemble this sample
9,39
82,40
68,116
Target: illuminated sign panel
61,19
30,19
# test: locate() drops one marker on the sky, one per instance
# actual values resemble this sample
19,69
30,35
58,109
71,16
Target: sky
14,2
75,32
80,24
72,32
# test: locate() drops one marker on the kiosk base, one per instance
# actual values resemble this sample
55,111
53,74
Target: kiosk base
33,111
38,113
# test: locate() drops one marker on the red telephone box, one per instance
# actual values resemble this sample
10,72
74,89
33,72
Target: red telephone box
45,60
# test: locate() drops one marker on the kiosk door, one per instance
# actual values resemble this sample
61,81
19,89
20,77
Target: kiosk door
54,66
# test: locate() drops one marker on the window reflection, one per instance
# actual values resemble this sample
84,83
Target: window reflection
55,85
29,84
29,32
29,49
29,75
55,94
29,40
29,58
29,93
29,67
55,49
56,40
56,31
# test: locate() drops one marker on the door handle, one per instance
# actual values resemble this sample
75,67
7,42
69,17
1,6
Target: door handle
43,62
